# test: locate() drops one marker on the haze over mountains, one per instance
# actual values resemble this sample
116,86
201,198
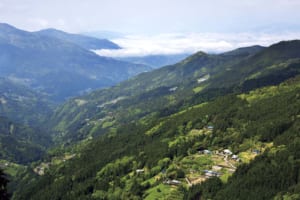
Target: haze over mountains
134,132
58,64
150,100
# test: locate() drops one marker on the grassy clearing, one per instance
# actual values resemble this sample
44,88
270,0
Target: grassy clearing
198,89
12,169
162,192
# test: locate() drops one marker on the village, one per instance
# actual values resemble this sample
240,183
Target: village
199,166
223,162
44,166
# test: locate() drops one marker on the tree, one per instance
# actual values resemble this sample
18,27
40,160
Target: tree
3,186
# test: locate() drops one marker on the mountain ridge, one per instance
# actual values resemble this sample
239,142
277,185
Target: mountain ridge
198,78
46,61
86,42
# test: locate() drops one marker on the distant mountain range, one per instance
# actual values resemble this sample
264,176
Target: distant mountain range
60,64
104,34
81,40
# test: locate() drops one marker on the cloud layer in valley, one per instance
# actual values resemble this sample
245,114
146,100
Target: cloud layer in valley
138,45
207,25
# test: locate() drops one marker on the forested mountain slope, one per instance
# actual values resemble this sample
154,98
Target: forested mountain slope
21,104
58,67
197,79
136,160
20,143
211,126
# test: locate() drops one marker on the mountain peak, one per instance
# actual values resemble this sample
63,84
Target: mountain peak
283,50
196,56
286,44
244,50
52,30
201,53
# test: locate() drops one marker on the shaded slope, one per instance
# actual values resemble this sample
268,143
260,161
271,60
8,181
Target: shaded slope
20,143
53,66
21,104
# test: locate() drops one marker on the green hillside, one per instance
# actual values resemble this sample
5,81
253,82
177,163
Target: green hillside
20,143
212,127
197,79
266,120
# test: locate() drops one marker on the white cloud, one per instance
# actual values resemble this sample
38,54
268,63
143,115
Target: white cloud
61,22
139,45
38,22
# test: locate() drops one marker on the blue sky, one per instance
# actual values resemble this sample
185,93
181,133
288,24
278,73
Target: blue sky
220,22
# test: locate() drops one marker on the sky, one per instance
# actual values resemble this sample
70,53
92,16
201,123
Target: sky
163,26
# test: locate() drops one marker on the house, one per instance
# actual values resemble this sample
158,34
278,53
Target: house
39,170
256,151
175,182
202,79
173,89
209,173
172,182
216,168
227,152
210,128
2,166
205,151
138,171
235,157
